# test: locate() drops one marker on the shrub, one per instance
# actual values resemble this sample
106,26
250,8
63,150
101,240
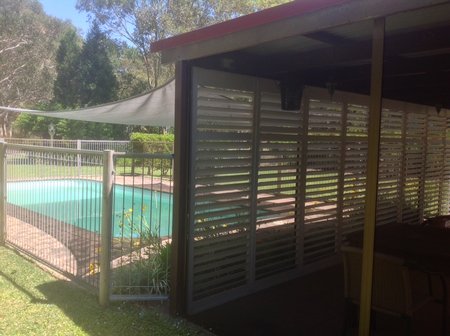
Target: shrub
147,272
153,144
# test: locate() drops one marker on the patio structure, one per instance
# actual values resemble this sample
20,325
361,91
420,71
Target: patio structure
267,189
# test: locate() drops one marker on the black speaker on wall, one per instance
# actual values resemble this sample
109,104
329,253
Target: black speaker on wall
291,90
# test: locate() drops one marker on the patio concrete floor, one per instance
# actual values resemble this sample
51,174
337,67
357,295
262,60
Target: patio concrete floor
312,305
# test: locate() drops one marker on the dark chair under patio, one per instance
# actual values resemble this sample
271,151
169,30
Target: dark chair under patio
392,291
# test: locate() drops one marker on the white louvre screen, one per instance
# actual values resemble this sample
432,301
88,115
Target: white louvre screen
222,209
390,166
278,176
445,194
274,193
435,160
355,168
414,159
322,174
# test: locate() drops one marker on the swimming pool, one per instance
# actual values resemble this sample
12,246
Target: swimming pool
79,203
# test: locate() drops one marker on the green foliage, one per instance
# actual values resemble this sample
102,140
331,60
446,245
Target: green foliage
36,49
31,126
148,272
145,276
153,143
129,70
142,22
28,44
85,74
143,142
84,130
97,81
85,78
66,87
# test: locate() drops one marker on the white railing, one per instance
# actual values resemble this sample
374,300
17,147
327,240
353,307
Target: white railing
82,211
95,145
125,146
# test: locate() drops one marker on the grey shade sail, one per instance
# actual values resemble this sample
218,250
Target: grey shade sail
155,108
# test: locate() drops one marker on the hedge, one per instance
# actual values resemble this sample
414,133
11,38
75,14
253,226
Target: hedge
153,143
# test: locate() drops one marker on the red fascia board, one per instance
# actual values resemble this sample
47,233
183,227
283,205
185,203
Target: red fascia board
269,15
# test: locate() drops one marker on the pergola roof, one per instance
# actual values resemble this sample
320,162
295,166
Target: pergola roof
257,19
329,41
385,49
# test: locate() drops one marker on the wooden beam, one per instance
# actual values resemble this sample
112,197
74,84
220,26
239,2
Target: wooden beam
376,88
416,82
345,62
349,12
178,272
393,67
328,38
359,53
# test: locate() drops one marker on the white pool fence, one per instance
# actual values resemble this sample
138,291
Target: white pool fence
102,218
95,145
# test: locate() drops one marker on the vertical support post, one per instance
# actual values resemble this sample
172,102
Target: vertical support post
178,262
376,87
423,173
442,176
106,230
3,182
403,173
254,184
79,158
301,180
341,178
446,203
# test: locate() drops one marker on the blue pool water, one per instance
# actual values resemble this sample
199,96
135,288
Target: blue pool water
79,203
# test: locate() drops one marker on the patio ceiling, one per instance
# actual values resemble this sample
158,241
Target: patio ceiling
417,56
416,68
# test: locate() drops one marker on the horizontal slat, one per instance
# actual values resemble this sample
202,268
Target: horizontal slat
209,136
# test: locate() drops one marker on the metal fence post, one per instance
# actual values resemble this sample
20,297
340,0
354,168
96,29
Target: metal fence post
106,230
2,192
79,158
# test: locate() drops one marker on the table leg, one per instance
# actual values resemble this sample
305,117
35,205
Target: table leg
444,304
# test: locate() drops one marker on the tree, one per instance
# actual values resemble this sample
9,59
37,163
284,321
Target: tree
85,78
97,81
28,126
66,86
142,22
28,43
128,69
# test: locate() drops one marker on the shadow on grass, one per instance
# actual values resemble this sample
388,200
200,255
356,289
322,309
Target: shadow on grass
33,299
83,309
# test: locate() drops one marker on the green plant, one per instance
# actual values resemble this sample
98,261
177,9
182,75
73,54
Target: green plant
153,144
146,268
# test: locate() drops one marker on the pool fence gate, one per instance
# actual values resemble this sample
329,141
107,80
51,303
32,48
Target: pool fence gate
100,217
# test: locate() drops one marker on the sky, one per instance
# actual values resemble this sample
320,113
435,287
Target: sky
65,10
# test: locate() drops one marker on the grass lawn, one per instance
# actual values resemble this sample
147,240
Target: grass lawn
32,302
17,172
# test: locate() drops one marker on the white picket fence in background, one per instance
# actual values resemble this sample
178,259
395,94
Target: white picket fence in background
94,145
124,146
